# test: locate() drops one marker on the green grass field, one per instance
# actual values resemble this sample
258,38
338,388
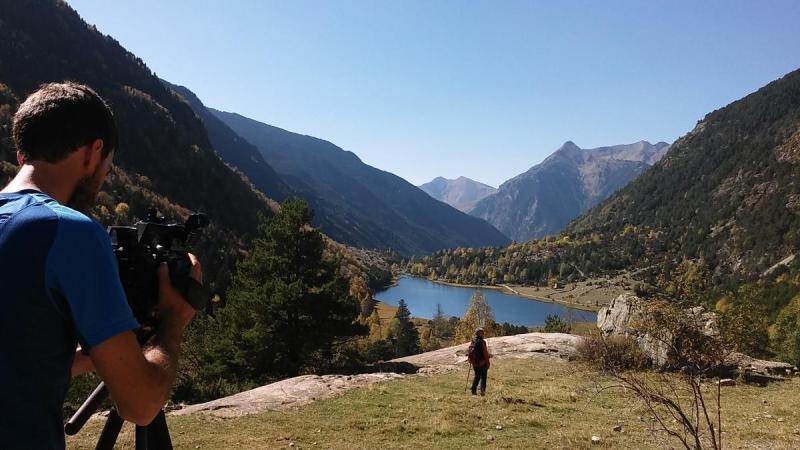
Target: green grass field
535,404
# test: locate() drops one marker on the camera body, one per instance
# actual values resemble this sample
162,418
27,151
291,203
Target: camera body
142,248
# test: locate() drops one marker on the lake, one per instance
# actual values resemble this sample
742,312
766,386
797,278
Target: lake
422,295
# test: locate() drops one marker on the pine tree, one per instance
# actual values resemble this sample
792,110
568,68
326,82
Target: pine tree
287,305
403,333
439,323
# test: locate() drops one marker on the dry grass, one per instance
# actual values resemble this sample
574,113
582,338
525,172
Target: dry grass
537,404
590,294
386,312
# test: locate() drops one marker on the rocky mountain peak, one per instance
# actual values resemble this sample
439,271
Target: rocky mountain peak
544,199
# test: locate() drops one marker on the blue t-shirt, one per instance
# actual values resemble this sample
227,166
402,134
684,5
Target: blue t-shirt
59,286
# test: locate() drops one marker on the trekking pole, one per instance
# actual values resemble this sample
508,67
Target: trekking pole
469,367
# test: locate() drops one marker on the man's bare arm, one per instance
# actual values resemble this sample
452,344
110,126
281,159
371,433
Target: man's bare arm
140,381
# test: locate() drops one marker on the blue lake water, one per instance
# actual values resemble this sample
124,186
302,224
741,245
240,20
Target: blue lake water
422,295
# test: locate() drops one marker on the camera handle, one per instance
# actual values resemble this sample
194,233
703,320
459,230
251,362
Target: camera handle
195,293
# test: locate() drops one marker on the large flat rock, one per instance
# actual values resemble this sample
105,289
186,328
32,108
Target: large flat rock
530,345
286,394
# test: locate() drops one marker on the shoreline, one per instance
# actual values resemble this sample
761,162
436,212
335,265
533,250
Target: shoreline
550,300
509,290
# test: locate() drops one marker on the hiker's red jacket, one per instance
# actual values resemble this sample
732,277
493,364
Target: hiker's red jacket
484,361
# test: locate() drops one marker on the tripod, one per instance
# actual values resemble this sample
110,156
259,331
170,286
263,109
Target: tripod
154,436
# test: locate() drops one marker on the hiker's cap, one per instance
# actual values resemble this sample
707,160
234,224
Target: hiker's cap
478,330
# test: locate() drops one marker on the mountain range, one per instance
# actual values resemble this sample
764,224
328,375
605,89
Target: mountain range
719,211
462,193
356,203
544,199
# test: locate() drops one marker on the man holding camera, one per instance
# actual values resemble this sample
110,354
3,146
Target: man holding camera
59,281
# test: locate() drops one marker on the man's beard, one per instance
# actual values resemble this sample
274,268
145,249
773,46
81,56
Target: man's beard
85,192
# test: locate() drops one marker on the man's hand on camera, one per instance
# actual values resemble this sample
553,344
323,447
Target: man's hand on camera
173,308
140,382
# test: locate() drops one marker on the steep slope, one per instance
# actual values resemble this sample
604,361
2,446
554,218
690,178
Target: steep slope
359,204
234,150
728,192
543,200
164,158
461,193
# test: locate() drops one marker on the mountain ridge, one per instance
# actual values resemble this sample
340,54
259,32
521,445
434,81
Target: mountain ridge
544,199
461,193
359,204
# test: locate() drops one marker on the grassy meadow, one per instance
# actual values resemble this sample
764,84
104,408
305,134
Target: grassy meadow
530,403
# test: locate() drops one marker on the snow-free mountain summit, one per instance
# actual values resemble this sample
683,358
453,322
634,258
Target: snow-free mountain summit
543,200
462,193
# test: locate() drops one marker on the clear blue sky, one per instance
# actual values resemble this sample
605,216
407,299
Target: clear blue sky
482,89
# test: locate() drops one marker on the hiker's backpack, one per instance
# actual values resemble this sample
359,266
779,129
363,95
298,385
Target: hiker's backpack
475,351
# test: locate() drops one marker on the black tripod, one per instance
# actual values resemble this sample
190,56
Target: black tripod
154,436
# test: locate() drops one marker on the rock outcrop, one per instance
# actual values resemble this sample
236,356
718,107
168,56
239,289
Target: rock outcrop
286,394
530,345
621,316
305,389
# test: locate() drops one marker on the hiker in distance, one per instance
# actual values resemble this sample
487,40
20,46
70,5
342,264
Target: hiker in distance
478,355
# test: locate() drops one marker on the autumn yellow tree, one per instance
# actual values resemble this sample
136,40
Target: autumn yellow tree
479,314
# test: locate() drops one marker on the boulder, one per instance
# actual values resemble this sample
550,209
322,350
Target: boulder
620,317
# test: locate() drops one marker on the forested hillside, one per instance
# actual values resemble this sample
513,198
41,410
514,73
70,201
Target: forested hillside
164,157
719,210
726,194
236,151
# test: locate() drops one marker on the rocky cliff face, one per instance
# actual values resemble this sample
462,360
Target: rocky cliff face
543,200
462,193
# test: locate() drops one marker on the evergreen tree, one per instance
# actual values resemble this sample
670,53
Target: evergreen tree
288,304
439,325
403,333
554,324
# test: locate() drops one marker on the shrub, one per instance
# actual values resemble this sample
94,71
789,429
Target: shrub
786,335
678,339
612,353
554,324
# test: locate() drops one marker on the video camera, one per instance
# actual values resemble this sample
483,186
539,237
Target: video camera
141,248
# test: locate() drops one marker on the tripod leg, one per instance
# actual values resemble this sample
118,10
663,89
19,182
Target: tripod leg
108,437
158,433
141,438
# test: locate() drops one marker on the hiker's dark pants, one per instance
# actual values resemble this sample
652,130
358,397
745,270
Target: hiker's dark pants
480,375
